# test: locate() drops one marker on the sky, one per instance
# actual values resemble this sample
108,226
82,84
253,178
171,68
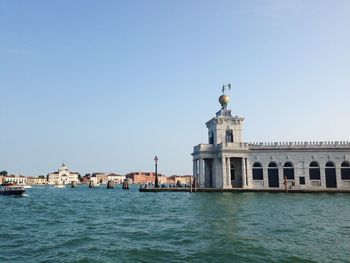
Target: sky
107,85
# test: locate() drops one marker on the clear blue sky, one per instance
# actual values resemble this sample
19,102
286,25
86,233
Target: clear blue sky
106,85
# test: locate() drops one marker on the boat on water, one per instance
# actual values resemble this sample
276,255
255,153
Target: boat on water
11,189
59,186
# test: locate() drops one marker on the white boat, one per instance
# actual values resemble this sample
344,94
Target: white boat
59,186
9,188
26,186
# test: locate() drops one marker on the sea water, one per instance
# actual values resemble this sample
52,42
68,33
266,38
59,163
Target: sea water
114,225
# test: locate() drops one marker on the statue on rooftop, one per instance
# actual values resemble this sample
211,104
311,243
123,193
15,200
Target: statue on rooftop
228,86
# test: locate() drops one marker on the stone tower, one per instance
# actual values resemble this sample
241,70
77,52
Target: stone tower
222,162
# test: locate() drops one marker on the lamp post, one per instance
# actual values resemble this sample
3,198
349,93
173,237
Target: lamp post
156,184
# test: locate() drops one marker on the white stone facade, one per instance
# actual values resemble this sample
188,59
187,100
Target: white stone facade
63,176
228,162
18,179
116,178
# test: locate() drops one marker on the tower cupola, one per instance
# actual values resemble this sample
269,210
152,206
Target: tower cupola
225,128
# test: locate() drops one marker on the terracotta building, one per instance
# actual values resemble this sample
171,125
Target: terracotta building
143,177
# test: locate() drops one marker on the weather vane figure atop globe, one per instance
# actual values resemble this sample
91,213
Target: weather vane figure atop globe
227,86
224,99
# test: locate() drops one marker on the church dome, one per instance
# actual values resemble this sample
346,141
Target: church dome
63,167
224,100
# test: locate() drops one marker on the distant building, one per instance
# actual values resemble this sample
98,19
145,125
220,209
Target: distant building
142,177
36,181
1,178
19,179
162,179
62,176
180,179
94,180
100,178
116,178
85,179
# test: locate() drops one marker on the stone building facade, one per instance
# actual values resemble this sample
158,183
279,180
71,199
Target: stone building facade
99,178
117,178
62,176
145,177
179,179
36,181
18,179
229,162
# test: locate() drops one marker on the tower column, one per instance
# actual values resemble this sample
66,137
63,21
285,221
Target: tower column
206,173
201,173
195,175
228,177
249,173
244,183
323,176
338,177
224,172
226,182
280,176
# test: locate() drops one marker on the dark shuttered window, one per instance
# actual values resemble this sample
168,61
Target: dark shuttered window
258,172
345,171
288,171
314,171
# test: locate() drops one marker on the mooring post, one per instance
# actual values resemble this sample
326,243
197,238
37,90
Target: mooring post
110,184
91,184
125,184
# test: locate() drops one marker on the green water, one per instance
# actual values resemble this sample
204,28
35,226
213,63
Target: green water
114,225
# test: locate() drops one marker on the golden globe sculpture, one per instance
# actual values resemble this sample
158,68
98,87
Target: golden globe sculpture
224,100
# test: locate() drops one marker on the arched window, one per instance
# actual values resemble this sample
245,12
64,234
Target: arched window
331,175
345,170
314,171
272,173
258,172
288,171
272,165
229,136
329,165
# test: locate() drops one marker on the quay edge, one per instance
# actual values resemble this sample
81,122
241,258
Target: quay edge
236,190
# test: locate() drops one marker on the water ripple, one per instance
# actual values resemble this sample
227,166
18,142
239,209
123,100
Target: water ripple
100,225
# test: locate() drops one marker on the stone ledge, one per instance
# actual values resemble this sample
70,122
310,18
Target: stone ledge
233,190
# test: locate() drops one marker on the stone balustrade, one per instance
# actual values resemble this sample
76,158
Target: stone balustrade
233,145
272,145
296,145
204,148
221,146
